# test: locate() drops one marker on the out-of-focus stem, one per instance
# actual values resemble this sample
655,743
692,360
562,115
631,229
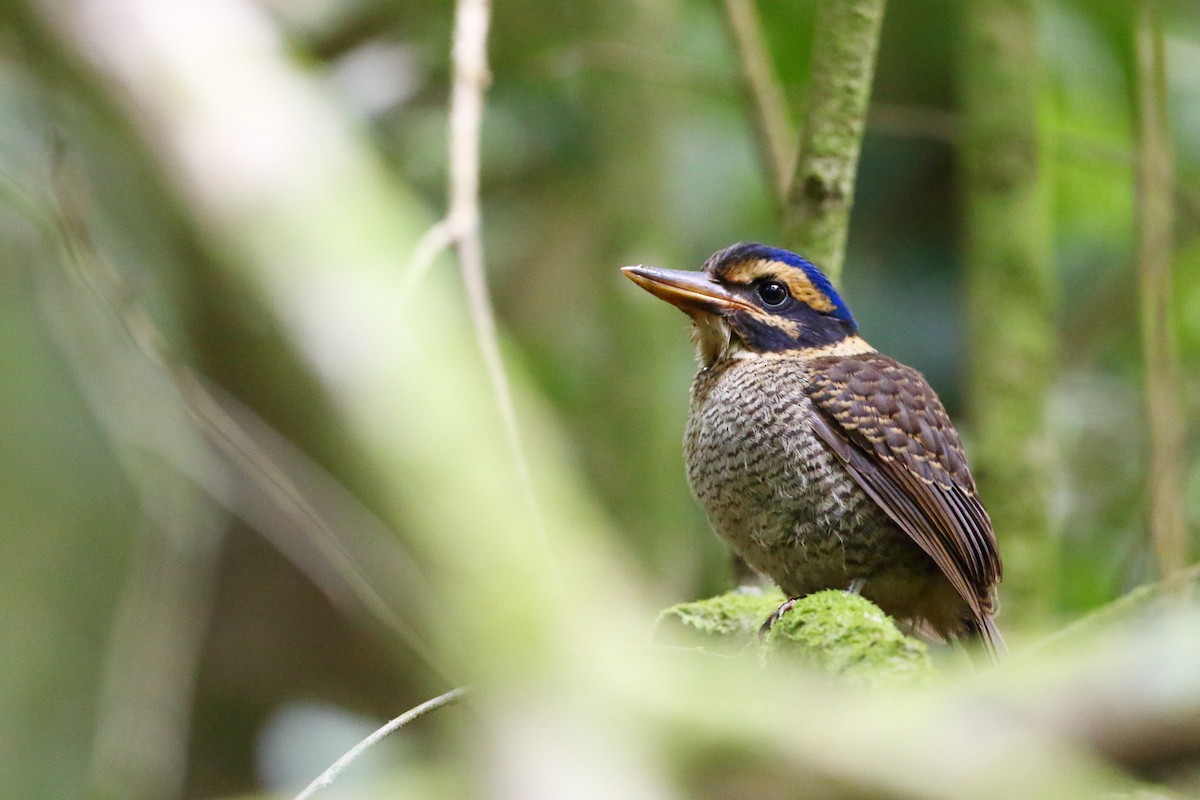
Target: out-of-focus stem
773,126
1012,295
1155,212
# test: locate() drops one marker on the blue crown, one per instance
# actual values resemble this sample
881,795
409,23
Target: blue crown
747,251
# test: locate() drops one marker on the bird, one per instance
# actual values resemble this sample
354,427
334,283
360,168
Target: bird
818,460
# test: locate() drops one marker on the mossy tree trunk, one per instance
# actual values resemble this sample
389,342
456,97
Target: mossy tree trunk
1012,292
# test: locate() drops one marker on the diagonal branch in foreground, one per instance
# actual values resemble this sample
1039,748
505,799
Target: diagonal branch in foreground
287,479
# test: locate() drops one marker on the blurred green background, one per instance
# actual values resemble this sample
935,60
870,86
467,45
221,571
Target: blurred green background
615,134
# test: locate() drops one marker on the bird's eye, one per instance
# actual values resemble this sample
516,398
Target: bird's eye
773,293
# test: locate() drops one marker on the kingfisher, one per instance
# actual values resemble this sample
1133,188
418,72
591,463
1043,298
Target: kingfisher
821,462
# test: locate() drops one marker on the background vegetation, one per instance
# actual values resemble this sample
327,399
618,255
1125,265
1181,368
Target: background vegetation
208,213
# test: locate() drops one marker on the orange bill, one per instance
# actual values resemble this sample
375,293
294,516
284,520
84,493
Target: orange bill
691,292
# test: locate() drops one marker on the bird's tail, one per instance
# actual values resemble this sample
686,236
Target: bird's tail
989,634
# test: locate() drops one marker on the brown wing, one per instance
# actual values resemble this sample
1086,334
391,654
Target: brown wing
886,424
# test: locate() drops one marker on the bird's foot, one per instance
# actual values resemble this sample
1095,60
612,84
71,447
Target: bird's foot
856,586
775,616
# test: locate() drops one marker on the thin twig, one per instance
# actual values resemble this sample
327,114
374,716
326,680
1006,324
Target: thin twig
431,245
462,227
1154,180
821,191
327,777
773,126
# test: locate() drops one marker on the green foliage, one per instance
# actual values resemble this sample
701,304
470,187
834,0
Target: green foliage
267,243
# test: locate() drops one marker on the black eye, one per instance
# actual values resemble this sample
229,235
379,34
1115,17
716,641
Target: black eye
773,293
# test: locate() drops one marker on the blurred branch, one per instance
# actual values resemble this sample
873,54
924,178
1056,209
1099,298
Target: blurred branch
998,738
314,226
1142,602
151,657
336,569
1108,701
1154,175
821,190
773,127
326,778
462,226
1011,290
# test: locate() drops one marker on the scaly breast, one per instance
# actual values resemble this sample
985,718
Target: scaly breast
772,490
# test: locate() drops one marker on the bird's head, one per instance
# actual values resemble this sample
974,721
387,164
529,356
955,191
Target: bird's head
751,299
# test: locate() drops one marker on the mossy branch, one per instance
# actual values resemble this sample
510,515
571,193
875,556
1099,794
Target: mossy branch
814,179
821,191
833,632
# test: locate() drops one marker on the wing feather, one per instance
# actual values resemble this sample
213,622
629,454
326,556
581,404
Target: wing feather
888,427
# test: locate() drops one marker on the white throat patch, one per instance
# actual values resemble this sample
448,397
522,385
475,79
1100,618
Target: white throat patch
715,341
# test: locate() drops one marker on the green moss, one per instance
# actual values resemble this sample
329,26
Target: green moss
835,632
736,615
848,636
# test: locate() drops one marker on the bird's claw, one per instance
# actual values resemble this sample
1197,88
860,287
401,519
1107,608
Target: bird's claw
775,616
